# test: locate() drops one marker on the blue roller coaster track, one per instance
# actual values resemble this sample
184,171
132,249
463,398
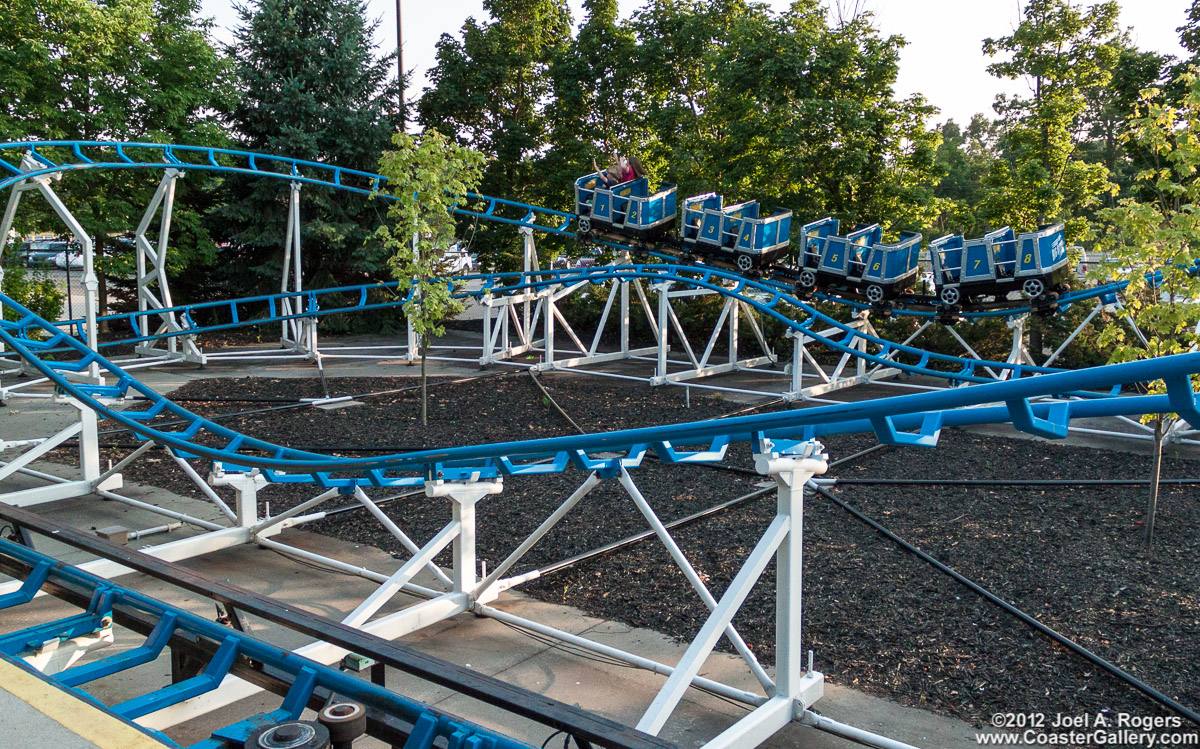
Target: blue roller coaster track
912,419
1037,400
765,295
106,155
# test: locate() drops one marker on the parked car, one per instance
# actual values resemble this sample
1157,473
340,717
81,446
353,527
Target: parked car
43,251
457,261
74,258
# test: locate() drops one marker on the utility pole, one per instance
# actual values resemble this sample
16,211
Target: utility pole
400,65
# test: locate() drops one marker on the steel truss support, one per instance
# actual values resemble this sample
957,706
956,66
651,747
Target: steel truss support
465,588
89,480
91,282
299,335
503,317
697,367
796,686
152,277
837,378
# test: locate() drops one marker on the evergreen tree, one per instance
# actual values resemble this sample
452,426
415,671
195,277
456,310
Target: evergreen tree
312,87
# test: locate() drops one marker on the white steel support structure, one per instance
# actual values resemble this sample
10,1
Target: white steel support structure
697,367
804,364
513,314
91,282
796,686
153,286
298,335
466,587
89,479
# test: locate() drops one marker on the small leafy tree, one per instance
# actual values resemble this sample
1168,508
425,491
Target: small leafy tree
427,175
1155,246
36,291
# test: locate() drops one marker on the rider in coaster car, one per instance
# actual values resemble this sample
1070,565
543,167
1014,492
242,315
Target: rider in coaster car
622,170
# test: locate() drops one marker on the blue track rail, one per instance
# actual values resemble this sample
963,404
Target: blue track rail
768,299
912,419
306,676
71,156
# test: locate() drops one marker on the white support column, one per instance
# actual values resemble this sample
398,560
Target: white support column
10,212
624,319
464,495
91,282
734,317
152,273
1019,353
664,309
530,265
246,486
548,333
796,686
299,335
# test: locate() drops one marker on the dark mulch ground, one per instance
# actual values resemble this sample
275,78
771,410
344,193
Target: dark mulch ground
878,619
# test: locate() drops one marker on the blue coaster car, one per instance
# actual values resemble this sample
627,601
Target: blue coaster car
889,269
808,259
840,260
736,234
999,262
860,262
628,209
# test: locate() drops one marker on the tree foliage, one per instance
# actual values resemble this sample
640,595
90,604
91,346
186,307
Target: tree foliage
492,88
117,70
311,86
1063,51
1155,243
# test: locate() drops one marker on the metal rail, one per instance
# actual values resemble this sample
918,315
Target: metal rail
574,721
892,420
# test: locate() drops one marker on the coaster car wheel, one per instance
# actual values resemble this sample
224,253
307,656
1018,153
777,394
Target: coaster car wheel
585,224
874,293
1033,288
807,279
744,263
950,296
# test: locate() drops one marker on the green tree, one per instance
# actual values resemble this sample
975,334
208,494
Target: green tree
596,94
492,89
35,290
427,176
1063,51
117,70
1156,248
786,109
964,157
1108,108
311,87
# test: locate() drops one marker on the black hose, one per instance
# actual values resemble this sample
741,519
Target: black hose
630,540
1012,482
1007,607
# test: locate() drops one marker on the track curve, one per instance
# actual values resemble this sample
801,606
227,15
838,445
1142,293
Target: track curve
890,419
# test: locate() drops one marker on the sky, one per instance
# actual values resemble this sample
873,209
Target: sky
943,61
